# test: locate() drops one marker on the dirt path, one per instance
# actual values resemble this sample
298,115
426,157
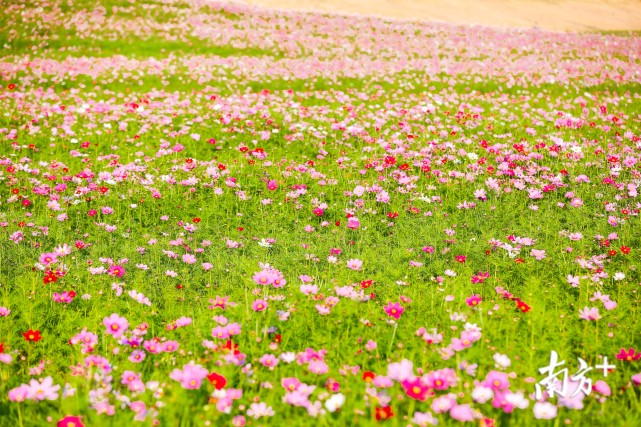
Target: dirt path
557,15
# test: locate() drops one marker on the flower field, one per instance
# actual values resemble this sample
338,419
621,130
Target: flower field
214,215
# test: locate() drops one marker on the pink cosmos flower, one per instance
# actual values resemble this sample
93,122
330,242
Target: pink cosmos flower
189,259
290,384
355,264
589,313
137,356
480,277
43,389
191,376
602,387
443,403
462,413
264,277
497,381
258,410
441,379
544,410
169,346
318,367
353,223
19,394
259,305
48,258
400,371
115,325
538,254
423,419
269,361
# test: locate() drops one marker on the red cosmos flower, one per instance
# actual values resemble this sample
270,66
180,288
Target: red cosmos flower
366,283
103,190
368,376
522,306
50,277
217,380
629,355
231,347
519,260
196,220
383,413
612,252
460,258
32,336
625,250
1,347
26,202
11,86
392,215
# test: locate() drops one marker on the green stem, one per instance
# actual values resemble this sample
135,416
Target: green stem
20,416
389,350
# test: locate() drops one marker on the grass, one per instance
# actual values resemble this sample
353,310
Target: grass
329,135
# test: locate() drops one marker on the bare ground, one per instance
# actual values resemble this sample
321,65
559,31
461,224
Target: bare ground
556,15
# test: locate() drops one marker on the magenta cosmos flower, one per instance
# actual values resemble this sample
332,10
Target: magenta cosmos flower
115,325
629,355
116,271
394,310
474,300
70,421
